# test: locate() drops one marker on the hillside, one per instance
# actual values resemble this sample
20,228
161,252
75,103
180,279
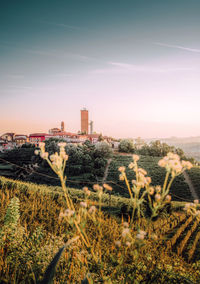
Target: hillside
179,190
169,254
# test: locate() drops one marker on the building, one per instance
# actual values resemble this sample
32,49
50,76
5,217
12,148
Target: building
36,138
11,140
71,137
62,126
8,136
84,121
56,130
91,127
21,139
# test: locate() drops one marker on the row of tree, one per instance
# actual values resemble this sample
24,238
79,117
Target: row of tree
155,149
86,162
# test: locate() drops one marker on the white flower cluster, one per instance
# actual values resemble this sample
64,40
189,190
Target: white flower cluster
173,164
56,161
141,235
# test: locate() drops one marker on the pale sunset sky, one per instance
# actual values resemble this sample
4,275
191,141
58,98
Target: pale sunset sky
134,64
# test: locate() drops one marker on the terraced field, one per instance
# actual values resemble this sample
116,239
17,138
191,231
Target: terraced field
194,175
179,190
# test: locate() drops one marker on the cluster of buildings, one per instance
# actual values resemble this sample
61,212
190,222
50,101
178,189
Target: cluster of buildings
10,140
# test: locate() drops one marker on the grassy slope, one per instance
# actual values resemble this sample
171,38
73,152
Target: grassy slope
40,207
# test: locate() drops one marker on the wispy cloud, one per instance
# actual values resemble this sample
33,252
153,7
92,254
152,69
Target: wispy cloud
177,47
61,75
61,25
48,52
15,76
124,68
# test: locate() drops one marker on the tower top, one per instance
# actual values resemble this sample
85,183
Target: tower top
62,126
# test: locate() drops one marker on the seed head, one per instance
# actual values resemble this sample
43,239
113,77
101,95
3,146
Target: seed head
126,224
122,169
92,209
168,198
108,187
83,204
157,197
135,158
125,232
118,244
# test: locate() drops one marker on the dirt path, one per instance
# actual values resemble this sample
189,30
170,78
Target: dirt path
191,187
106,171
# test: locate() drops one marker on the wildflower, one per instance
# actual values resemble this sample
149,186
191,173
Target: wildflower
125,232
142,232
83,204
148,180
151,190
141,177
118,244
140,184
86,190
121,169
52,157
57,162
126,224
187,165
41,145
158,188
196,201
173,156
187,206
128,244
168,198
142,171
135,158
131,165
92,209
69,212
108,187
134,182
66,157
197,213
36,152
121,177
157,197
44,155
154,237
162,163
96,187
140,236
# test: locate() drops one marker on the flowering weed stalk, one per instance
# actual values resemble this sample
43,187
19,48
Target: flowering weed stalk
136,193
77,218
158,196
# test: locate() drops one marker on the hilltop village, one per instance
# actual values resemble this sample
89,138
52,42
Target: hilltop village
10,140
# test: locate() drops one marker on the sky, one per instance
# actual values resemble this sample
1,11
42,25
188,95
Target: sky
134,64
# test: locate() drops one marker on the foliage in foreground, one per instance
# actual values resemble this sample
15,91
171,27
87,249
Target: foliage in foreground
98,246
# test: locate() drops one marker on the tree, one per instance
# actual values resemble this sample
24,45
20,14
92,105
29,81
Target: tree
127,146
103,150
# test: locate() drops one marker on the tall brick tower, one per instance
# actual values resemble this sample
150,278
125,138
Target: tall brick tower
84,120
62,126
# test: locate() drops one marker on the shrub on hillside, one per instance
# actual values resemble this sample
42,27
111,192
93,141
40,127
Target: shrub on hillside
127,146
103,149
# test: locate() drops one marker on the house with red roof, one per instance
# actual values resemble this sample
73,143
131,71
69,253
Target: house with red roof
36,138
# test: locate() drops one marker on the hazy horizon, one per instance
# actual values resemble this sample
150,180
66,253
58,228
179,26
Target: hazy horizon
134,65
